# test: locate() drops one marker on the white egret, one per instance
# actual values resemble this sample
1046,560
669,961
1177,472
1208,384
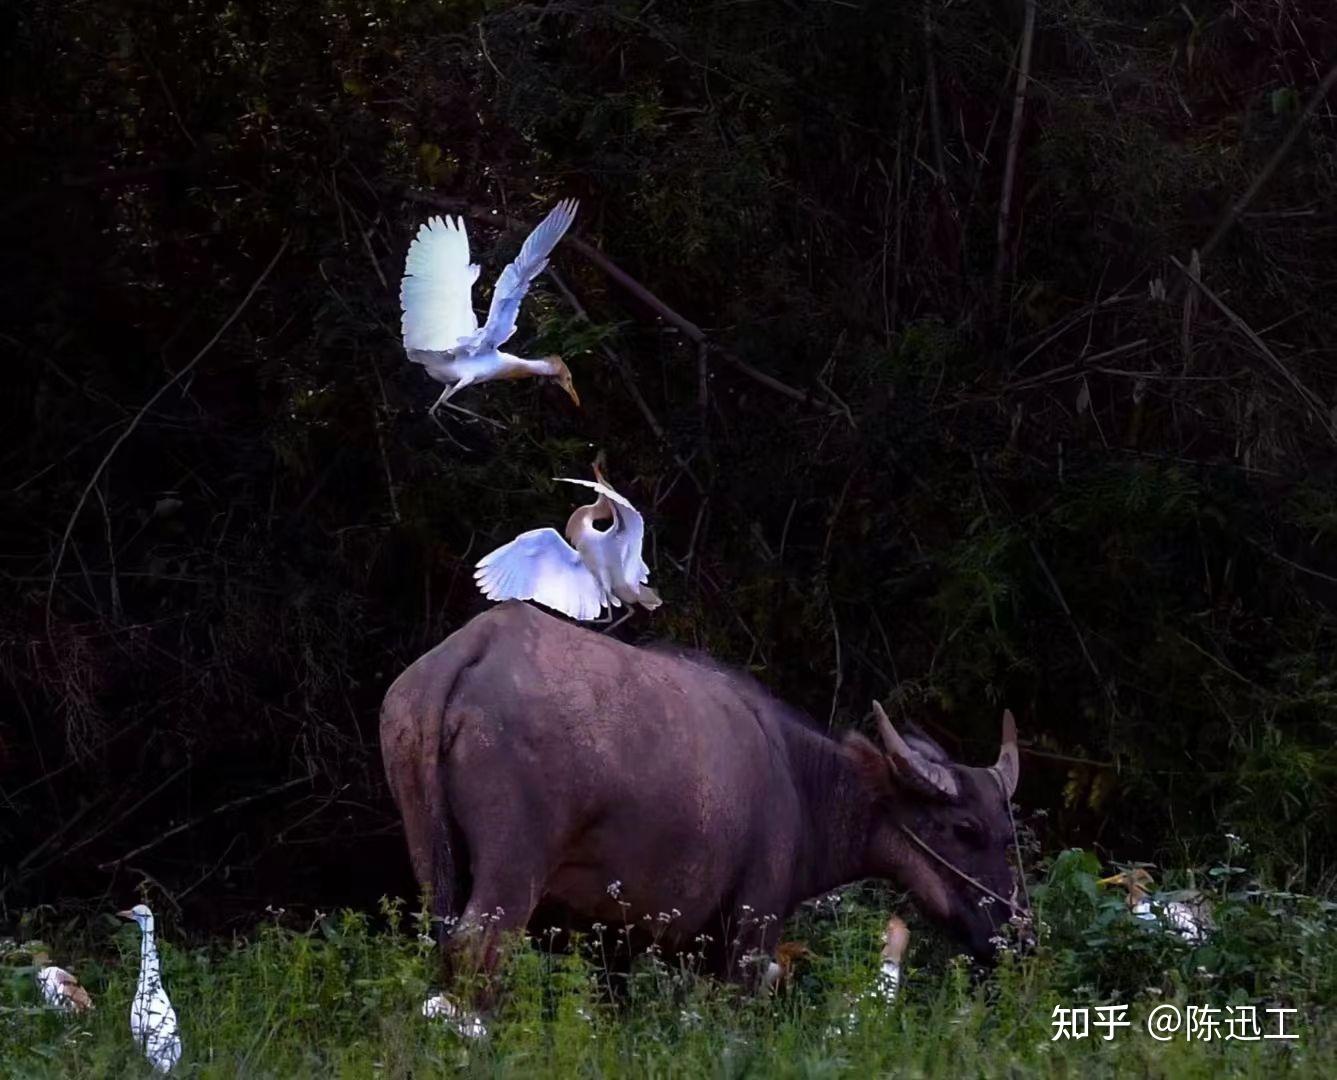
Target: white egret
896,939
1188,917
440,328
152,1018
779,974
59,989
887,983
465,1024
599,567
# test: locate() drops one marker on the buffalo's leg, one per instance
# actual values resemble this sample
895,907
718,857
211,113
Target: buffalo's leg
502,900
753,935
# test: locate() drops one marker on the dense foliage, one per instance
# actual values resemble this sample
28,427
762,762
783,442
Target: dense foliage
910,465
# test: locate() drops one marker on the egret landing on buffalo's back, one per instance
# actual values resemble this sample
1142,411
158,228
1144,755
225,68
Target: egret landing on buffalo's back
440,328
599,567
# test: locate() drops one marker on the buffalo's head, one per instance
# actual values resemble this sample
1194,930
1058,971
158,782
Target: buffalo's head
944,830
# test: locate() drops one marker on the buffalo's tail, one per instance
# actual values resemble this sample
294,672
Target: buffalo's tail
417,730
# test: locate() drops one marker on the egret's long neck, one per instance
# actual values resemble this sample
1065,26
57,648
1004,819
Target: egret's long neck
530,367
148,956
581,523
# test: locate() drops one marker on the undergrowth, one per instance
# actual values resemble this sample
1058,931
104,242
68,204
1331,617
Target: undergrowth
340,997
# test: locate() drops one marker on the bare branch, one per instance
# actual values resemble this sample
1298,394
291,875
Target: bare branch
1013,142
134,423
1311,400
1241,204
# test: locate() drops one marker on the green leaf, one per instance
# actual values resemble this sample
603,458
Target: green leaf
1284,101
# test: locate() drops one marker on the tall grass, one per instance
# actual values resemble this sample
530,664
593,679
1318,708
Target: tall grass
341,998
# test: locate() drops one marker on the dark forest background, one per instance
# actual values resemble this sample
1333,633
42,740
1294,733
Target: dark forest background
1085,471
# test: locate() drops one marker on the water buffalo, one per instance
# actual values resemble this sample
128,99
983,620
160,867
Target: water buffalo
534,761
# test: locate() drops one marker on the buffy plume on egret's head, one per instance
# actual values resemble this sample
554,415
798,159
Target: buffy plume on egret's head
589,570
895,940
440,329
1190,916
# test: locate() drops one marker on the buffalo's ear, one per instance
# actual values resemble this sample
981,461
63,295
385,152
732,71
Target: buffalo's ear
868,761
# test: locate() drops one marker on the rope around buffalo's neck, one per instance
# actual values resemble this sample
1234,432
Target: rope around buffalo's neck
923,845
1016,842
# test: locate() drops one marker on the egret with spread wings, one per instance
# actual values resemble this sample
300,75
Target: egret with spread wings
598,568
441,331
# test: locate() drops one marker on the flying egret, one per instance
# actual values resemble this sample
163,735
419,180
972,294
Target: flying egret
599,567
152,1018
440,328
59,989
1189,917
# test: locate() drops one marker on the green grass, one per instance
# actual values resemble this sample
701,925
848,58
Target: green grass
341,999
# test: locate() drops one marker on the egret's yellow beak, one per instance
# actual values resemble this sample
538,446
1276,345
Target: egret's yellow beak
570,389
1113,879
125,914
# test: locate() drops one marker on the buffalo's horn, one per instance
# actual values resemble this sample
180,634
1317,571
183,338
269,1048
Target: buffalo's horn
1008,766
927,777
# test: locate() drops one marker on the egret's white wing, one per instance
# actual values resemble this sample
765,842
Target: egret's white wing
435,292
154,1026
632,526
540,565
61,990
514,281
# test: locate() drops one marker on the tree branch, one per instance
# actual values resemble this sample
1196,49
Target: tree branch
1013,142
1241,204
134,423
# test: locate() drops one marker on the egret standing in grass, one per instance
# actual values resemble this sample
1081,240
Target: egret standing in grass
887,983
440,328
465,1024
779,974
895,940
1188,917
59,989
599,567
152,1018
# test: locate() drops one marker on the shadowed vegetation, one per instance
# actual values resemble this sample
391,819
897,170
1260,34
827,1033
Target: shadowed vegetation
335,997
909,461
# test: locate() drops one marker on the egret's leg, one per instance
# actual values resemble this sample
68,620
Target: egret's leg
445,397
630,612
476,416
445,430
